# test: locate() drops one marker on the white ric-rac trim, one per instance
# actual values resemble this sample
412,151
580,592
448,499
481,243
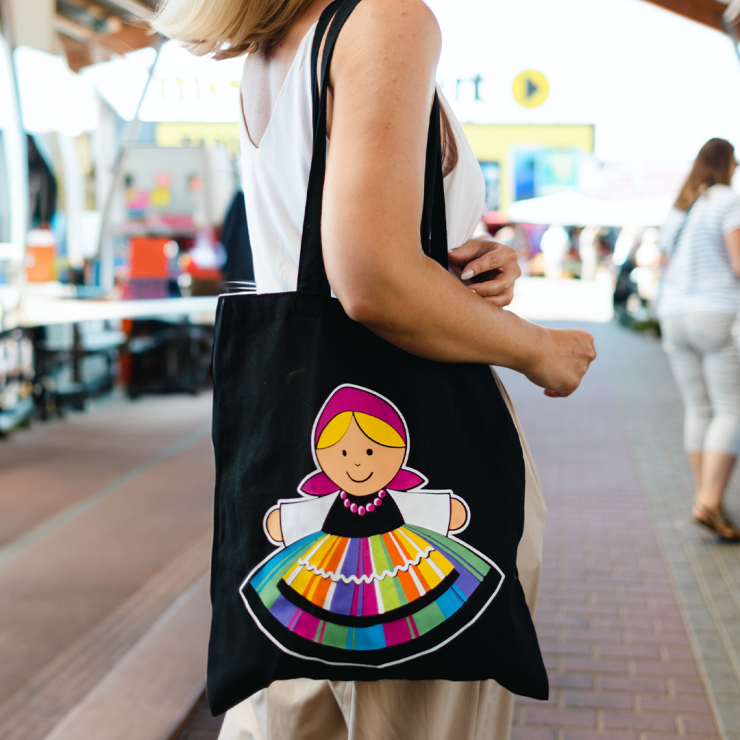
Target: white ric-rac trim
364,578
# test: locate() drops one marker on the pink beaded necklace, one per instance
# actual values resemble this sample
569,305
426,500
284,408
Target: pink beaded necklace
355,509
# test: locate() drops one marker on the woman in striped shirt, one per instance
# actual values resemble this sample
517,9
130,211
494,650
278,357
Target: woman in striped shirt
698,308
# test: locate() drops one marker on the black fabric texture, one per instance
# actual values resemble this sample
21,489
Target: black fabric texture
277,359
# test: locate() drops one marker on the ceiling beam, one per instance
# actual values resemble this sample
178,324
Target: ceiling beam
707,12
134,7
92,8
732,18
73,30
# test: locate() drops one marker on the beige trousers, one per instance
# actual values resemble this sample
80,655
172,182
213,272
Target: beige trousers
302,709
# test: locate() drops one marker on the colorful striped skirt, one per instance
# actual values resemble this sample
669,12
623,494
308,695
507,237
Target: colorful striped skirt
368,593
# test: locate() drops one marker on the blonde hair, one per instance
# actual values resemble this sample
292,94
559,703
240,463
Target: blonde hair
227,28
376,430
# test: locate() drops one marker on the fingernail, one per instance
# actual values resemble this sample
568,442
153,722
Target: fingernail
474,291
467,274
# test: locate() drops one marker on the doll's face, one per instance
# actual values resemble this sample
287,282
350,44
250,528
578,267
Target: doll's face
358,465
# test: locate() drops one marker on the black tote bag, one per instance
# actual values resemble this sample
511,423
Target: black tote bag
369,503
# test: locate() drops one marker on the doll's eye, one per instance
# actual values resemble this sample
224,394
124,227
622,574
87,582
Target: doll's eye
369,452
344,452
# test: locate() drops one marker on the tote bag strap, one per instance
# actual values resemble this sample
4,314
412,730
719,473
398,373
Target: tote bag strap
321,27
433,231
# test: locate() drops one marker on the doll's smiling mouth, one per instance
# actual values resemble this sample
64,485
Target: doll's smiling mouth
359,481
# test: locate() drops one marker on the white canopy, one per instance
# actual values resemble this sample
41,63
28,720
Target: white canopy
574,209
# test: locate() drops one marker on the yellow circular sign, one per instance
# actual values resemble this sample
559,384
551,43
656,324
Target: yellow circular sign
531,88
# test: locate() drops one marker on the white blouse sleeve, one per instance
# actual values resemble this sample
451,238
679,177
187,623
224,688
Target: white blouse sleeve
731,220
302,517
430,510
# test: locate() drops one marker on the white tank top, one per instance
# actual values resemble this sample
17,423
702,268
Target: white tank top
275,180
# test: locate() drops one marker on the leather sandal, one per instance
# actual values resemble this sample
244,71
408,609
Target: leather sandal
717,521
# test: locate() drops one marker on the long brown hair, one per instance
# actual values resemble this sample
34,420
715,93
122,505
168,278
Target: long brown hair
228,28
712,166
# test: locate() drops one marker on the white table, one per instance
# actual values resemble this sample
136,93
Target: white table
37,310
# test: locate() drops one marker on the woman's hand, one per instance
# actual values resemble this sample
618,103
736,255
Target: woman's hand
488,268
565,357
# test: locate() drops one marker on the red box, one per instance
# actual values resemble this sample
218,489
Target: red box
148,258
40,264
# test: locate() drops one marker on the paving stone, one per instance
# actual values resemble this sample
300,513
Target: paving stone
697,725
721,676
637,684
729,711
571,680
601,735
664,722
597,700
534,715
710,644
527,733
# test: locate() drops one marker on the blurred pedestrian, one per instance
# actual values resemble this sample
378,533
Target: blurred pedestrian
648,260
697,308
587,251
379,105
514,237
555,245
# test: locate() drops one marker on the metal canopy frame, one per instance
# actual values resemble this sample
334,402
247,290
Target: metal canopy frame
707,12
90,28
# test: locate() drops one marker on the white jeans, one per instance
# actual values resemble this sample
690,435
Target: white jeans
302,709
704,360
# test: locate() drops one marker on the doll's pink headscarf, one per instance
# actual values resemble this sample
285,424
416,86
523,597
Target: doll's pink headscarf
348,398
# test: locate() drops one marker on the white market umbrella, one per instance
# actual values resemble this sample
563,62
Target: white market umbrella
574,209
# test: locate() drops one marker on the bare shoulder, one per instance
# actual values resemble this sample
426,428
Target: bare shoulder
396,15
390,33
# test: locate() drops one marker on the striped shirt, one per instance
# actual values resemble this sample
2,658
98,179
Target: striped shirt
699,277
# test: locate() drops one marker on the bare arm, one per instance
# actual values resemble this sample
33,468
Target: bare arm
382,88
732,242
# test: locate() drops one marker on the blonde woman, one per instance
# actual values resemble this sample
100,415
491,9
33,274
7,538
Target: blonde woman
382,83
697,308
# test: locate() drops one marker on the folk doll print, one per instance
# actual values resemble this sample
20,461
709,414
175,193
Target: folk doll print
369,568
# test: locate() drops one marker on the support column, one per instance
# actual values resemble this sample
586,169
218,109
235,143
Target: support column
30,23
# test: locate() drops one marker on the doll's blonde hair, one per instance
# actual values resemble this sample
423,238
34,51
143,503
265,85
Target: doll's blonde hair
376,430
227,28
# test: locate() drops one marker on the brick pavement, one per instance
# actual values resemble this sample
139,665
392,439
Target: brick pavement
621,661
106,523
706,574
55,465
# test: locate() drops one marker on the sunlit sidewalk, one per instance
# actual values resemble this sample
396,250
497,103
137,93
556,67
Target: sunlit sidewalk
639,614
542,299
105,534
